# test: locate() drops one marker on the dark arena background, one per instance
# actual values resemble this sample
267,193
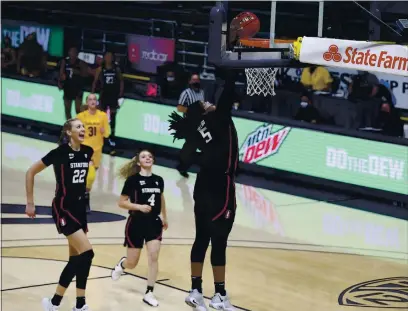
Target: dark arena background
322,189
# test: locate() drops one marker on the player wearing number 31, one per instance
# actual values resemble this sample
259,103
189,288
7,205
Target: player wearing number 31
142,195
71,162
96,129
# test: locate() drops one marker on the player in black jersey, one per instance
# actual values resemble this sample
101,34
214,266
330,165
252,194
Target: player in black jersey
143,196
112,87
71,79
214,134
71,162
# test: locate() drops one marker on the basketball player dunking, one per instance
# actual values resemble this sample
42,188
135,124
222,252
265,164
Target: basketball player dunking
71,162
143,196
96,129
213,132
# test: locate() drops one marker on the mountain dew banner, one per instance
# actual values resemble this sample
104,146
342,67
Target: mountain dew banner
51,38
339,158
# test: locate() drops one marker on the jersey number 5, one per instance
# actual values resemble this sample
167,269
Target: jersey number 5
151,200
206,135
78,177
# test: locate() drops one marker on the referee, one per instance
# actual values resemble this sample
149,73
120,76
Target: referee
190,95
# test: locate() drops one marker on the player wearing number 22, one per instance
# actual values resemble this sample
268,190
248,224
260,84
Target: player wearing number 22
71,162
96,129
142,195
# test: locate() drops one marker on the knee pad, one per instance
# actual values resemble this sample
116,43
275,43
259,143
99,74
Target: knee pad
199,249
68,273
91,177
84,262
218,251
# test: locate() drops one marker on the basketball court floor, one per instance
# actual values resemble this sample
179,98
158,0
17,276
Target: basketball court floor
286,253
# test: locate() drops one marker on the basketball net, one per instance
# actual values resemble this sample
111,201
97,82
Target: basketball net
259,80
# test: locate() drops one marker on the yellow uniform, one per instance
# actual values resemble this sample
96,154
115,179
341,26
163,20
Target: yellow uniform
94,123
319,80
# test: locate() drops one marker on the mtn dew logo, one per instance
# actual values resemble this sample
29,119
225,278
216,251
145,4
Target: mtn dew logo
51,38
262,143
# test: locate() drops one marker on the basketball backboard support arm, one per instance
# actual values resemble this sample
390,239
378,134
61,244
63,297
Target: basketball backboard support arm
219,56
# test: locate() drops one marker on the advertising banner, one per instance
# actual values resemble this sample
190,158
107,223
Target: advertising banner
356,161
360,55
146,53
51,38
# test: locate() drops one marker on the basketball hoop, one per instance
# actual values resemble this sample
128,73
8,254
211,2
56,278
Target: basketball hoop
259,80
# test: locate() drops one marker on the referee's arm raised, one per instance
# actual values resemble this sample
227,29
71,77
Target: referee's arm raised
183,102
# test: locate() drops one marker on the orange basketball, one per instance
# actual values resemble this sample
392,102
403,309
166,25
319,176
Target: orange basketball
246,25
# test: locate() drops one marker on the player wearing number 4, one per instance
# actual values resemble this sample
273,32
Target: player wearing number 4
71,161
96,129
142,195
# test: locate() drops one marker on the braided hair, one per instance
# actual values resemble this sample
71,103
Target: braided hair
132,167
184,127
64,137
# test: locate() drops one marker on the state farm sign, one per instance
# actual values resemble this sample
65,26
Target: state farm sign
359,55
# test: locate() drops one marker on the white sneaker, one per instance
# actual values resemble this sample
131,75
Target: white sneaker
118,270
196,300
150,299
219,302
48,306
84,308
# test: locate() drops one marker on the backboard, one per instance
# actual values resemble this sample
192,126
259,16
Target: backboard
225,50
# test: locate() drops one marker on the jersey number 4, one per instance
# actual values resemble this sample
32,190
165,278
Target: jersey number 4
151,200
78,177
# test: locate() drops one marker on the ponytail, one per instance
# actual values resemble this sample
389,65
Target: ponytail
132,167
64,137
129,169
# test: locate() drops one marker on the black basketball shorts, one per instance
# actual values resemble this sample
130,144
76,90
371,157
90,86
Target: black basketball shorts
108,100
215,203
73,91
69,215
143,229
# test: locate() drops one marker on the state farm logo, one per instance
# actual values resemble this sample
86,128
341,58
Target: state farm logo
366,57
332,54
262,143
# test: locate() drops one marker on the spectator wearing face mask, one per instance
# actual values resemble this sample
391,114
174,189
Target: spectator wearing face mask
316,78
389,120
307,112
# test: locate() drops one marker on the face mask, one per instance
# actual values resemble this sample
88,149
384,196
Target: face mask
170,79
195,85
304,104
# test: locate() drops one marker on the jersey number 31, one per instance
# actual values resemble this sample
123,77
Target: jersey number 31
78,177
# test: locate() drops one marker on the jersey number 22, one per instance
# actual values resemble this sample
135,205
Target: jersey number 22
78,177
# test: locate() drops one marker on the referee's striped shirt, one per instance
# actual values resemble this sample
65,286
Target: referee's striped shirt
189,96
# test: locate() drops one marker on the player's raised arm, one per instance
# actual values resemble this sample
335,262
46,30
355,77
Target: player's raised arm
227,98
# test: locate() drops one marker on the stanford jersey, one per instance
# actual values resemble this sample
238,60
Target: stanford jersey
71,169
217,136
144,190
